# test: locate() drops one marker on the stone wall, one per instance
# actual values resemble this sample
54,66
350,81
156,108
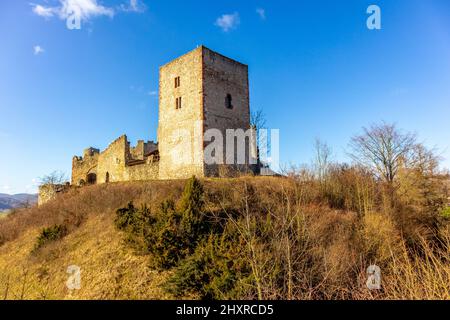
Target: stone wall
180,139
145,171
84,168
112,161
118,162
142,149
224,77
48,192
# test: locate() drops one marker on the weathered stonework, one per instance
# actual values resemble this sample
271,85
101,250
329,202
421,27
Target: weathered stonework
180,130
50,191
198,91
84,169
224,77
116,163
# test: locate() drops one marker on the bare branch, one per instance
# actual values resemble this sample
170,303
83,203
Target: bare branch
56,177
384,149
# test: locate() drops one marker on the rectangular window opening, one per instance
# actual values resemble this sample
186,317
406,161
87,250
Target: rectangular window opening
178,103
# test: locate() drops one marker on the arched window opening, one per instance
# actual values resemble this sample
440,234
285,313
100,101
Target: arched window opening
91,178
107,177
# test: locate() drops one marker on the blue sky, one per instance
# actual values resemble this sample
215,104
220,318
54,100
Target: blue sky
315,69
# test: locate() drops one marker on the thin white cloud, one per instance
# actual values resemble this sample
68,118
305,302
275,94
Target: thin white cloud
133,6
153,93
228,22
262,13
32,187
84,10
6,189
38,50
42,11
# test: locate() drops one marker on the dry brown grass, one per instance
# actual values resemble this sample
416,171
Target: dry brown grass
109,269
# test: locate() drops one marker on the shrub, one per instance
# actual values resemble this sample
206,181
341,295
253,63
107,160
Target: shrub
218,269
125,217
164,240
136,224
171,234
209,256
192,223
50,234
176,233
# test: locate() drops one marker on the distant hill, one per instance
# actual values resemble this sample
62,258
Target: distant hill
11,201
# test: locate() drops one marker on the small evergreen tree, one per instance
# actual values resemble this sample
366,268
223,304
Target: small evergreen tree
191,209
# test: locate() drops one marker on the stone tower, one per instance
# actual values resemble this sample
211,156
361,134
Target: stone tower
200,90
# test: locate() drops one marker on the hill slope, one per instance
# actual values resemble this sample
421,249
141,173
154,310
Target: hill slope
297,245
109,269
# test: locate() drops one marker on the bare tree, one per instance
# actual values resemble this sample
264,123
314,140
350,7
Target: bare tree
258,119
322,158
384,149
56,177
258,122
425,160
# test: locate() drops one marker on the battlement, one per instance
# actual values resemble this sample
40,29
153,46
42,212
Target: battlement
90,152
142,149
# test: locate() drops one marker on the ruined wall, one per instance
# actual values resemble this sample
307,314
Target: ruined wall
142,149
180,130
223,76
116,163
48,192
112,161
84,166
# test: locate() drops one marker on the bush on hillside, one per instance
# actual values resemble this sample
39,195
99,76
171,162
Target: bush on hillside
218,269
50,234
173,232
135,222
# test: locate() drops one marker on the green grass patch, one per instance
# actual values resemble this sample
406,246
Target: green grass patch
446,212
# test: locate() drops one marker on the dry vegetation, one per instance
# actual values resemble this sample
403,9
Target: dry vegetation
313,246
309,235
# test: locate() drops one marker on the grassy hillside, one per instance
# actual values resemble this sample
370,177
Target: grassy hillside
267,238
109,269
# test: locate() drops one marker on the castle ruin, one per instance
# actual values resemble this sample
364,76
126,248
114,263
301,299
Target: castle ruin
198,91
